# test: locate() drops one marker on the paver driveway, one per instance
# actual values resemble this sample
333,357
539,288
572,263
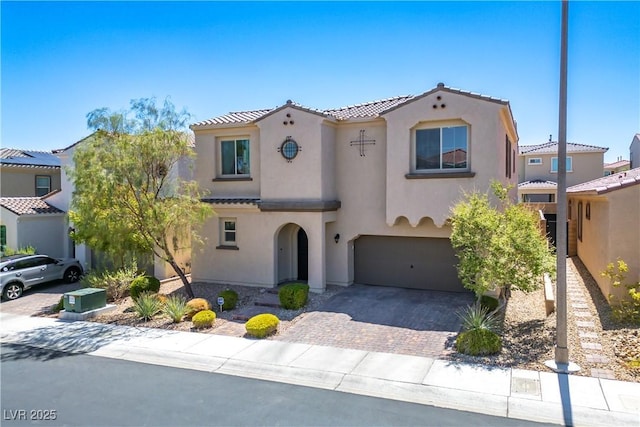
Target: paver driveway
377,318
39,298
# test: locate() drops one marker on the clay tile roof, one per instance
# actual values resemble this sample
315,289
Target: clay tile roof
367,109
28,206
608,183
28,158
552,147
237,117
538,184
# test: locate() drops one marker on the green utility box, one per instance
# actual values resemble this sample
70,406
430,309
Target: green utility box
85,299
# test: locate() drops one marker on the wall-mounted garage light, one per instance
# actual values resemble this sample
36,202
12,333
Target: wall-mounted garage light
336,237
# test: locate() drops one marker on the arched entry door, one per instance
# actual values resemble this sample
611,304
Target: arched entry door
293,254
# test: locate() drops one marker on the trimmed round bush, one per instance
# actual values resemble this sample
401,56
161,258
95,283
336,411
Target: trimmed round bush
478,342
197,305
262,325
293,296
143,284
203,319
230,299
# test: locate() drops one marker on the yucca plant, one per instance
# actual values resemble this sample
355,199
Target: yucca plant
176,308
147,305
476,317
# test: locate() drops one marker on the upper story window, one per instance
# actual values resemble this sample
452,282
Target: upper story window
554,164
441,149
234,155
534,161
43,185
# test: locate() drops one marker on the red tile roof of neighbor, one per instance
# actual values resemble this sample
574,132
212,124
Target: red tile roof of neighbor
28,206
365,110
608,183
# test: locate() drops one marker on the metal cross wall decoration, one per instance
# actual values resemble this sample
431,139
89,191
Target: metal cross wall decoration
362,141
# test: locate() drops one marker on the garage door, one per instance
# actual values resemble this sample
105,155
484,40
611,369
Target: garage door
406,262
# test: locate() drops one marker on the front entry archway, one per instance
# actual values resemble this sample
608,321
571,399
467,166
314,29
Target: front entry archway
293,254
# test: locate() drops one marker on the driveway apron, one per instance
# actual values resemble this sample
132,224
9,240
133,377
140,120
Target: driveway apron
383,319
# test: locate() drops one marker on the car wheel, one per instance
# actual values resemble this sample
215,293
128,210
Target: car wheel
12,291
72,275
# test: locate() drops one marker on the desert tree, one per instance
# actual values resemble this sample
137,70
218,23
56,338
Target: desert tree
128,197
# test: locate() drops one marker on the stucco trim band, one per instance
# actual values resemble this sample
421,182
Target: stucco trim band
299,205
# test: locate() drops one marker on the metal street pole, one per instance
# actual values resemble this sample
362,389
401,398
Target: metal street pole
561,362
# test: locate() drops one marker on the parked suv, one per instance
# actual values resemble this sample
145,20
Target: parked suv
20,272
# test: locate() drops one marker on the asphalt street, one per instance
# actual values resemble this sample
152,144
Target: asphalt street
49,388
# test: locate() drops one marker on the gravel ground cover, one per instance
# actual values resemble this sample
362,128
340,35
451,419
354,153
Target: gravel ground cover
528,333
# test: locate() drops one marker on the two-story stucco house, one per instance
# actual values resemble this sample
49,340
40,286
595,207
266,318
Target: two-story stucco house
538,176
360,194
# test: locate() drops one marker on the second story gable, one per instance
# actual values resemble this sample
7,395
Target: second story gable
405,158
28,173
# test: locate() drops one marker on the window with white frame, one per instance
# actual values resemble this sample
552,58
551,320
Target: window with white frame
234,155
554,164
228,232
43,185
535,161
441,149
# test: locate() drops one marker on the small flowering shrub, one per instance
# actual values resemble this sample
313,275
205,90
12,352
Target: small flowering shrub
627,309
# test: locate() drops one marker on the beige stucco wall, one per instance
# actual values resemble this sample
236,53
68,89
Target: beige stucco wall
585,167
21,181
612,233
208,163
10,220
419,198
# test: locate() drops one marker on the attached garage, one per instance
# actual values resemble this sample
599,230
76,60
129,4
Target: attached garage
406,262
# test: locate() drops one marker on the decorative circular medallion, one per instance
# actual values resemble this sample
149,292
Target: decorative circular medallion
289,149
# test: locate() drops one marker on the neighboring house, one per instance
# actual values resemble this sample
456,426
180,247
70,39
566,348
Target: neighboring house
605,215
32,221
90,259
27,173
634,152
619,165
538,166
360,194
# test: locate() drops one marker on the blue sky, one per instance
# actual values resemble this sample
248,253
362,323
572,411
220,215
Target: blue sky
61,60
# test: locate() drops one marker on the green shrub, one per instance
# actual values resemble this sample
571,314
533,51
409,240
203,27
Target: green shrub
115,283
490,303
175,308
478,342
28,250
143,284
626,309
293,296
262,325
203,319
59,306
477,317
230,299
196,305
146,306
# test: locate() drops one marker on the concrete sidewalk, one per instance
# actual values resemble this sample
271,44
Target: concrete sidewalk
512,393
